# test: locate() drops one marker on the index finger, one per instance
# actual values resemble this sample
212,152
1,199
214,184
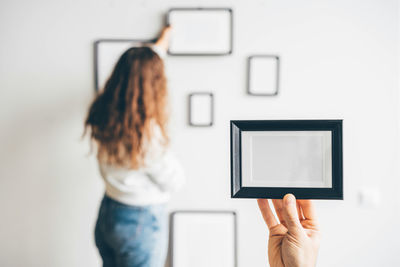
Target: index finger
308,209
266,212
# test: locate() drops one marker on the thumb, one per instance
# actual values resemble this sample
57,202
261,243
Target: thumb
290,213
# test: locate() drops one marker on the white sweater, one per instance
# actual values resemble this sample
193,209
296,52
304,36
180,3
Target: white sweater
161,175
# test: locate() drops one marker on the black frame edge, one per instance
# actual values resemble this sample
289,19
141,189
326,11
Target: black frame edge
236,161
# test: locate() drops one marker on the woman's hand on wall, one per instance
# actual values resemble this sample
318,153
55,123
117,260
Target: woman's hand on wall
294,242
163,39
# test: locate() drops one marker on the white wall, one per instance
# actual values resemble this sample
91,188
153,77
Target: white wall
339,60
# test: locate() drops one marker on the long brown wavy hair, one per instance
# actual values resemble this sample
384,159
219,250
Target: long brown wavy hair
121,118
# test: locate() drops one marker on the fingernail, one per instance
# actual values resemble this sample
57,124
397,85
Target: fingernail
289,199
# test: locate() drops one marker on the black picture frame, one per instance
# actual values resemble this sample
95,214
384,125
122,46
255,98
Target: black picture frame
228,9
96,55
171,230
238,191
248,81
190,96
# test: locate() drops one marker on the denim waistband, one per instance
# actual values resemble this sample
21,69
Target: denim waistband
109,201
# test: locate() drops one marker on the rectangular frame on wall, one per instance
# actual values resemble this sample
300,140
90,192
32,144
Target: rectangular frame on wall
173,242
97,56
203,9
239,184
191,112
275,76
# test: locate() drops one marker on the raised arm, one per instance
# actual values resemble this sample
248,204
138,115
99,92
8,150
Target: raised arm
163,40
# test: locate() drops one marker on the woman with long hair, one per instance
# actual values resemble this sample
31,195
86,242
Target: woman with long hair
127,122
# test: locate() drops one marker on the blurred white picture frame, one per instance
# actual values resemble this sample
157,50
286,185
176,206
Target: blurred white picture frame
203,238
201,109
200,31
106,55
263,74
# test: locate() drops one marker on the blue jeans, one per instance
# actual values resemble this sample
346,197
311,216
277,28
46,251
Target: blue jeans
131,236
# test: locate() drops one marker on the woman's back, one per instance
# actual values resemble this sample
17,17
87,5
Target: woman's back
153,183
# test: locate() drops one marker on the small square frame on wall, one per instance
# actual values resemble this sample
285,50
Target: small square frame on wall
270,158
201,109
263,75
